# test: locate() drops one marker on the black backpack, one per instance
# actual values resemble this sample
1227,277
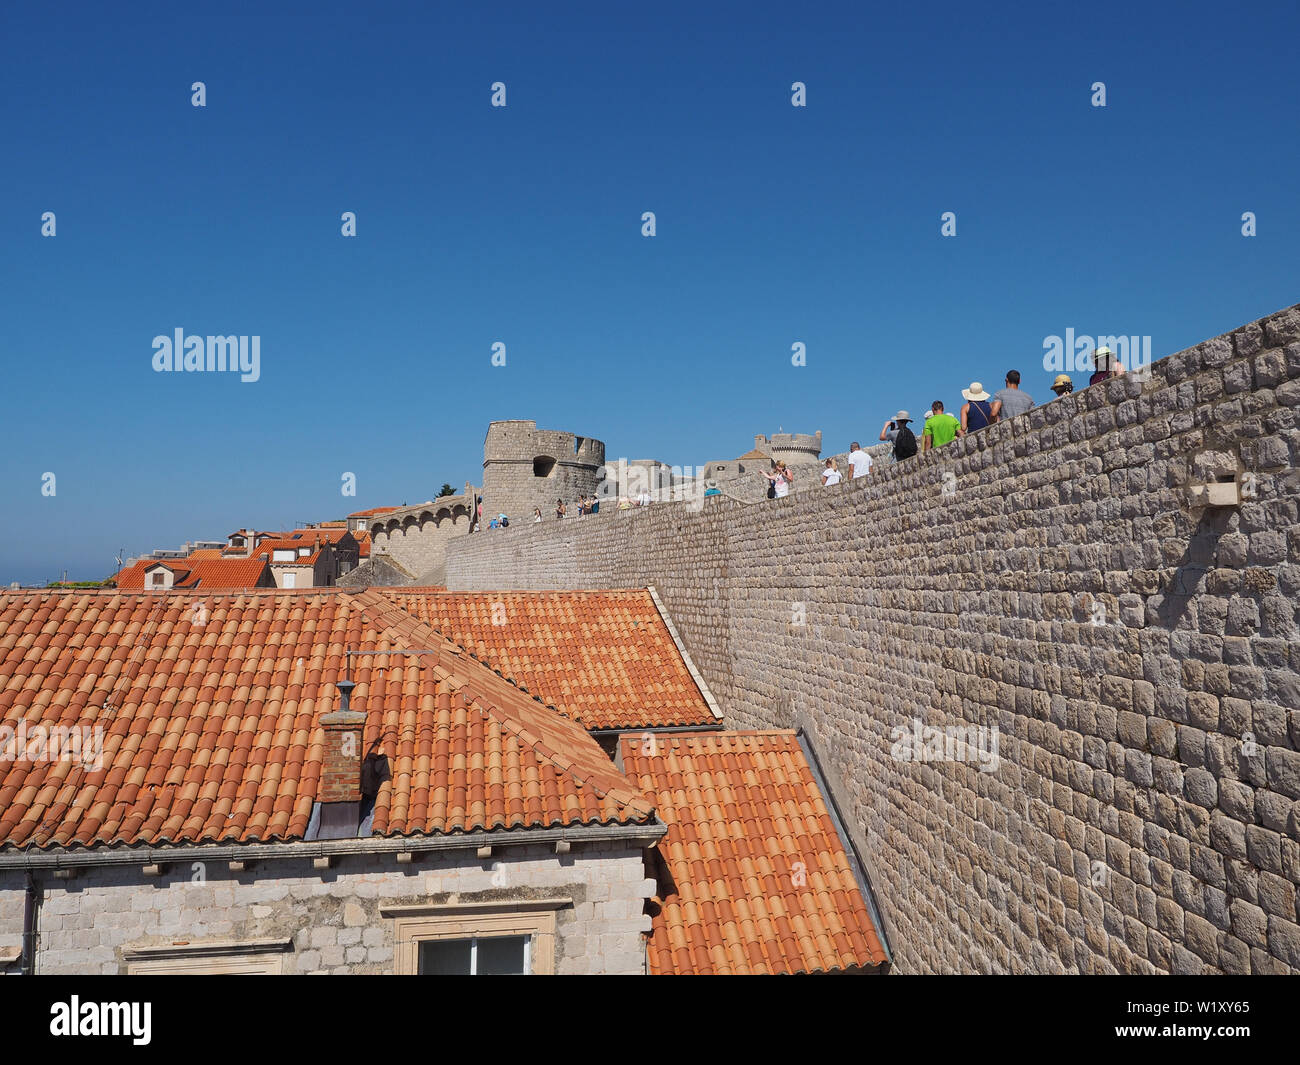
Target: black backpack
904,443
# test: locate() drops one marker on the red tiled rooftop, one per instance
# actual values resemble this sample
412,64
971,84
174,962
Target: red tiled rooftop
303,536
210,704
206,574
605,656
373,512
760,880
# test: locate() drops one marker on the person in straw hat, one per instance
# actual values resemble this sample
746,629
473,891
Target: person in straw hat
977,411
1062,386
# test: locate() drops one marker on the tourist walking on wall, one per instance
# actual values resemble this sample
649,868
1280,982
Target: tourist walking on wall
559,508
898,432
831,474
859,461
781,479
1105,364
537,515
977,411
1010,401
940,428
1062,386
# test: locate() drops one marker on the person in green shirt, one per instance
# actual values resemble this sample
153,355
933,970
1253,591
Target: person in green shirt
940,428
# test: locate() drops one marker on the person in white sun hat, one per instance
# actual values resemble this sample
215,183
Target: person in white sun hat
1105,365
977,411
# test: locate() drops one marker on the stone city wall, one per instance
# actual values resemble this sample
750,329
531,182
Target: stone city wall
1051,578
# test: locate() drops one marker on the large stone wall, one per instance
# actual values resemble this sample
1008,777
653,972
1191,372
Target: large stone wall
417,537
1049,577
91,923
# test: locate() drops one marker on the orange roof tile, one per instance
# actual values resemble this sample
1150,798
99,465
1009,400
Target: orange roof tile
604,656
362,538
218,573
210,708
372,512
204,553
761,882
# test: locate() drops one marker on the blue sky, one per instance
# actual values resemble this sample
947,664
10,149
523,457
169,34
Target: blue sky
522,225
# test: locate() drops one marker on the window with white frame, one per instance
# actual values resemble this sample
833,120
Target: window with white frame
478,956
476,939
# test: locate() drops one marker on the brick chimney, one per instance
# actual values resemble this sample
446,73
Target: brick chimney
340,779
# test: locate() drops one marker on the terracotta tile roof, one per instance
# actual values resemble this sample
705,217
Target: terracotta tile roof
604,656
210,720
303,536
362,538
204,553
217,573
373,512
760,881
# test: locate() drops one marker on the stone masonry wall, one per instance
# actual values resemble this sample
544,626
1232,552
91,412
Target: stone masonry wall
332,916
1048,576
510,486
420,541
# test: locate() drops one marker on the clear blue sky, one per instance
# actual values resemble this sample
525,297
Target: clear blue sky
522,225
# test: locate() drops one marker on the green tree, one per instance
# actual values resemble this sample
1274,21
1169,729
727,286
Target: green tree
446,490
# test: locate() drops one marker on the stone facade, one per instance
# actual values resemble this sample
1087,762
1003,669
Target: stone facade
525,467
417,537
331,919
378,570
1051,576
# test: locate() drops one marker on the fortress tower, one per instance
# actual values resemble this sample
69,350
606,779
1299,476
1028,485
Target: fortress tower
526,467
796,449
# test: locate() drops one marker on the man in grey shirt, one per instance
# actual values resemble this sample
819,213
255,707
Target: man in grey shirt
1010,401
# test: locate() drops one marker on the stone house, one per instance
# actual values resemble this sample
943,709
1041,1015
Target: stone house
309,558
322,781
359,520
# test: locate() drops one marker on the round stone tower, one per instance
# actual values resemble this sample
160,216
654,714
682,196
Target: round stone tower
526,467
796,449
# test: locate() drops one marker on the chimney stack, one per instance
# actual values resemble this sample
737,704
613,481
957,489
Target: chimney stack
340,780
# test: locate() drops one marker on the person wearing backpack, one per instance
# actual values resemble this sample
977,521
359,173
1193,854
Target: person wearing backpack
904,440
